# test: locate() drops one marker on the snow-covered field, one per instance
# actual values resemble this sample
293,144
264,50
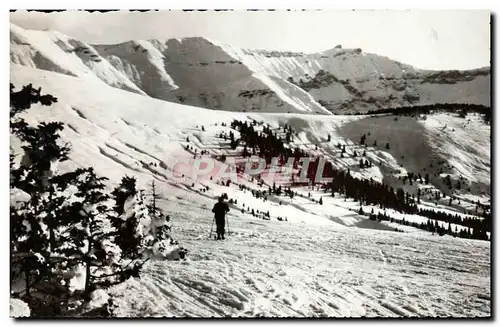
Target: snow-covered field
326,260
285,269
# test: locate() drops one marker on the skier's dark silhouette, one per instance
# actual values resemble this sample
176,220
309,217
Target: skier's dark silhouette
220,209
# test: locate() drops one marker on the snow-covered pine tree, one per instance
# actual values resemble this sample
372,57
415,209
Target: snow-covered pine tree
160,240
29,246
32,220
157,216
127,198
46,242
121,193
89,239
37,222
139,221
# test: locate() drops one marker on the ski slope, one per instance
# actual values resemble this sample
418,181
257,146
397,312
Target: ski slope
279,269
323,261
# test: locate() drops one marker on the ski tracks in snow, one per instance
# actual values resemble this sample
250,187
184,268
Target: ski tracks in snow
312,271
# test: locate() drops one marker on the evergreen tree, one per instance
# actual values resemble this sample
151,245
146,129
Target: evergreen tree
132,210
234,144
158,238
90,237
34,222
126,188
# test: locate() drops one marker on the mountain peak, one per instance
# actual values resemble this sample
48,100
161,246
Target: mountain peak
205,73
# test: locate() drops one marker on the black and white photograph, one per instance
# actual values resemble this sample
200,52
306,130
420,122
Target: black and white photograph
250,164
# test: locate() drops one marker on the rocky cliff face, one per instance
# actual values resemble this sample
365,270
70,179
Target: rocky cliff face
204,73
349,80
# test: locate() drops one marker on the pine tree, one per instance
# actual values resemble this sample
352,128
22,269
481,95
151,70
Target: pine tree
153,209
234,144
34,222
57,229
126,188
29,245
158,238
90,238
130,208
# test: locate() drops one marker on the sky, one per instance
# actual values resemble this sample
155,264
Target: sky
447,39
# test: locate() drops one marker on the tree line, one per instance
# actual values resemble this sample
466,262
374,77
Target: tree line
366,191
430,226
462,109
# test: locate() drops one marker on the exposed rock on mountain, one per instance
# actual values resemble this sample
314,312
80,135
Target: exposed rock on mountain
204,73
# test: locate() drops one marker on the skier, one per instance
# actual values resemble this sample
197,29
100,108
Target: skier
220,209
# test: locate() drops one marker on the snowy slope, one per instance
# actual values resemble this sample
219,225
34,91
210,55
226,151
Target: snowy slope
266,269
364,81
417,145
54,51
191,71
143,63
209,77
323,261
205,73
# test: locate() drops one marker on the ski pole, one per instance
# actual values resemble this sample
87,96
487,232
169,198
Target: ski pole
227,222
211,229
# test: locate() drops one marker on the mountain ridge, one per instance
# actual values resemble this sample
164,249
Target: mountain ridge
202,72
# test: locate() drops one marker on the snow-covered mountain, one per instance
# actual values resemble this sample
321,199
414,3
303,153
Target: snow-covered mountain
325,260
204,73
141,107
